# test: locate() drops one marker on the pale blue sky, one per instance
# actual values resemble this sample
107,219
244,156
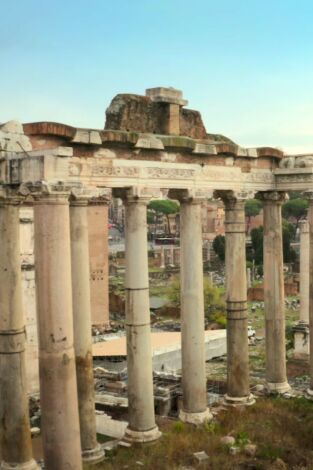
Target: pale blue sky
247,65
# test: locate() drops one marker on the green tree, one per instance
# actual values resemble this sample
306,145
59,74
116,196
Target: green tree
295,209
214,304
257,244
252,209
150,217
289,231
288,235
219,246
165,207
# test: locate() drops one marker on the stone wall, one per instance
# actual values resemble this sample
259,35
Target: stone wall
136,113
257,293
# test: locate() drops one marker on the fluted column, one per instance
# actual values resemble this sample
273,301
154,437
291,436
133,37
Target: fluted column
142,426
16,447
92,452
194,408
309,196
58,386
301,330
276,374
238,389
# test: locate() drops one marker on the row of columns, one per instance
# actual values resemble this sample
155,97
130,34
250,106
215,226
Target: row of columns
66,380
63,295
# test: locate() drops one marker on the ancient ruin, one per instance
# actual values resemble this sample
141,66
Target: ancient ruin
61,178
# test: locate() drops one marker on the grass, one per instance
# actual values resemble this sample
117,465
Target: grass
280,428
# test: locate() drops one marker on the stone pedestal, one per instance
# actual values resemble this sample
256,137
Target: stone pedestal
194,408
276,375
172,100
238,390
16,447
301,330
91,450
142,427
58,386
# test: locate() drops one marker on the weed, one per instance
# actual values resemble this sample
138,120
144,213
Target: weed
211,427
178,427
270,453
242,439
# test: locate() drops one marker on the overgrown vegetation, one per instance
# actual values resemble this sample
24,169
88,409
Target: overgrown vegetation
281,429
214,304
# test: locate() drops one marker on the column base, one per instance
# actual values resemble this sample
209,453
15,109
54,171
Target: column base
277,387
195,418
142,436
239,401
93,456
31,465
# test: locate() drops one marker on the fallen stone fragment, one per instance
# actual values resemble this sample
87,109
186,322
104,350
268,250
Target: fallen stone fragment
124,444
233,450
278,464
139,463
250,450
228,440
201,456
35,431
110,445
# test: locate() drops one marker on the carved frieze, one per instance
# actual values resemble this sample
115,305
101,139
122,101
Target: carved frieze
156,172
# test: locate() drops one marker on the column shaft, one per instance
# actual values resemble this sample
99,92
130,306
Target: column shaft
58,387
236,298
91,450
142,425
16,447
99,262
276,375
310,219
301,330
304,272
192,315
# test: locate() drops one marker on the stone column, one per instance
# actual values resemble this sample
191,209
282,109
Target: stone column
58,386
238,389
142,427
194,409
248,278
16,447
301,330
276,374
309,196
99,258
162,257
92,452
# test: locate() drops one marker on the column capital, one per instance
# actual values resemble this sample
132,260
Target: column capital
83,195
11,195
308,195
48,192
190,196
232,198
136,194
274,197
